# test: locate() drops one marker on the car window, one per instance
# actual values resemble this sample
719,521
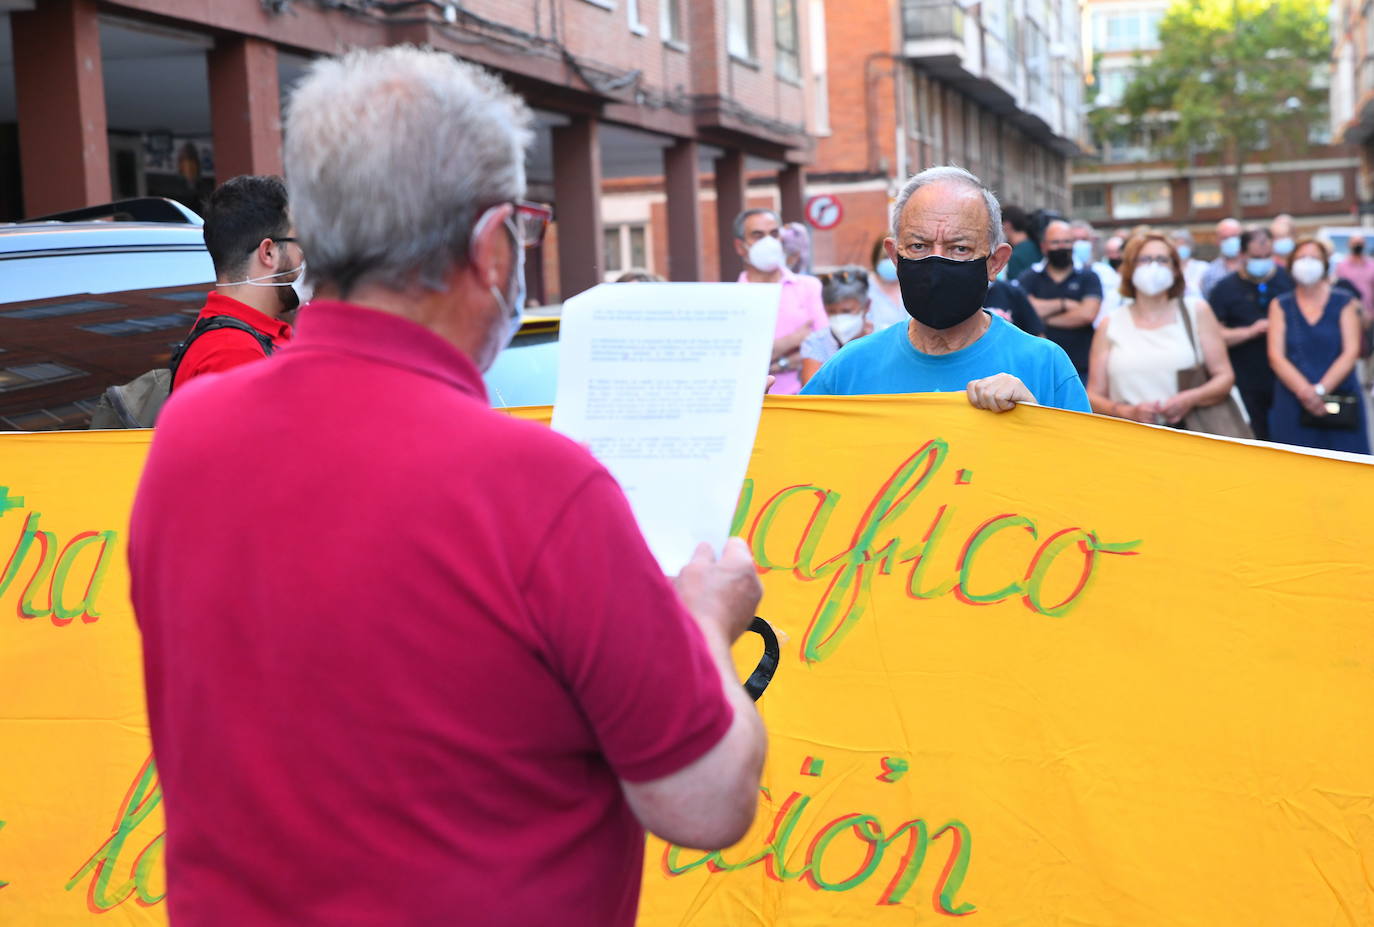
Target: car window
45,276
73,324
58,354
526,373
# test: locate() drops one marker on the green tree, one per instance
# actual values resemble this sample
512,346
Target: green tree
1230,73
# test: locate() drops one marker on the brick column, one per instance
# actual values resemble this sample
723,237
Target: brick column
682,178
64,148
245,107
730,200
577,204
792,193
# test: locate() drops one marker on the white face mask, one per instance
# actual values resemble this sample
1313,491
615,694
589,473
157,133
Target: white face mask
304,290
1152,279
766,255
846,326
1309,270
297,284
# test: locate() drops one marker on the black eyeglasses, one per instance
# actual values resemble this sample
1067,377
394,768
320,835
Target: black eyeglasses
271,238
856,275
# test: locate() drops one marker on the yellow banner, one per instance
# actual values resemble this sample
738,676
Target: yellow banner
1038,669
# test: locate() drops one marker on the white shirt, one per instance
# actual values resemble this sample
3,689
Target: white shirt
1143,363
1111,290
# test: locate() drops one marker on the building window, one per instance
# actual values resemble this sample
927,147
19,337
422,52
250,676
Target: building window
973,136
24,375
1111,85
139,326
787,39
632,13
1141,200
739,28
627,249
1126,144
670,20
54,310
1207,194
1328,188
820,81
1090,202
1133,30
910,87
929,126
1254,191
1319,128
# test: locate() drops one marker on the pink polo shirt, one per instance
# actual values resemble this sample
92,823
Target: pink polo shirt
800,303
400,649
1360,273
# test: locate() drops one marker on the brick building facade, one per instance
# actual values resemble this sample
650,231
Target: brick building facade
991,87
101,99
1131,181
898,85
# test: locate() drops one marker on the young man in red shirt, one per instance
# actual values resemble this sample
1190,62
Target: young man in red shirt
259,278
409,660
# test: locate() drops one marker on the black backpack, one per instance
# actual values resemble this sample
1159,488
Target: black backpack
137,403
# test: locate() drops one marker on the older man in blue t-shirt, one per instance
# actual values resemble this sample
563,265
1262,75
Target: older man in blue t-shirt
948,245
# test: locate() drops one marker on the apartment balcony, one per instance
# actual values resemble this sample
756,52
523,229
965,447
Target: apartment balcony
942,39
947,43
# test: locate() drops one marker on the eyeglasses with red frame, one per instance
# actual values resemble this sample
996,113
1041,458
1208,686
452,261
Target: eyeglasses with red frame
531,221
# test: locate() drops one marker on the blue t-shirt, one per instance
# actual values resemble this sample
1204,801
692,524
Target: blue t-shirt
885,362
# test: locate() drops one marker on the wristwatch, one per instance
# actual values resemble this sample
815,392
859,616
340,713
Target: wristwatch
782,363
1319,389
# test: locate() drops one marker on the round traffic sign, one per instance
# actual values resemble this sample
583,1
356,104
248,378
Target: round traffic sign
824,211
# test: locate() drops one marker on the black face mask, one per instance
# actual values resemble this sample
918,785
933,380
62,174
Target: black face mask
1357,249
1115,263
940,293
1060,257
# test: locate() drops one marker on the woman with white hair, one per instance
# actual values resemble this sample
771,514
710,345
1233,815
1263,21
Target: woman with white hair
845,295
796,245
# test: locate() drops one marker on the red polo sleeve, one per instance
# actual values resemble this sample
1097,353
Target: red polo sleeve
621,641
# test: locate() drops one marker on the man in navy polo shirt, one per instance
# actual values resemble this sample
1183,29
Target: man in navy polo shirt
1241,303
1066,297
408,659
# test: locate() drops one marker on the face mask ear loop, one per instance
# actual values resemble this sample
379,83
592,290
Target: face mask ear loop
255,281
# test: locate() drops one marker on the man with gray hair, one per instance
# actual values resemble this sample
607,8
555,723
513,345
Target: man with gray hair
1228,261
800,311
408,659
948,245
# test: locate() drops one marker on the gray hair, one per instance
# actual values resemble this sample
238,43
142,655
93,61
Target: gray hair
1080,225
390,155
744,217
854,285
1181,234
951,174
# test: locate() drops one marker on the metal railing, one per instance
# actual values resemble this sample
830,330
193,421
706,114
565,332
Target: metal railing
932,19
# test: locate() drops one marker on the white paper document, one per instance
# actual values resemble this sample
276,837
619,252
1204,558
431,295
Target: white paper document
664,382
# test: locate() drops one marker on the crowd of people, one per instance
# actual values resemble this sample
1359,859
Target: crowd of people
544,693
1262,342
